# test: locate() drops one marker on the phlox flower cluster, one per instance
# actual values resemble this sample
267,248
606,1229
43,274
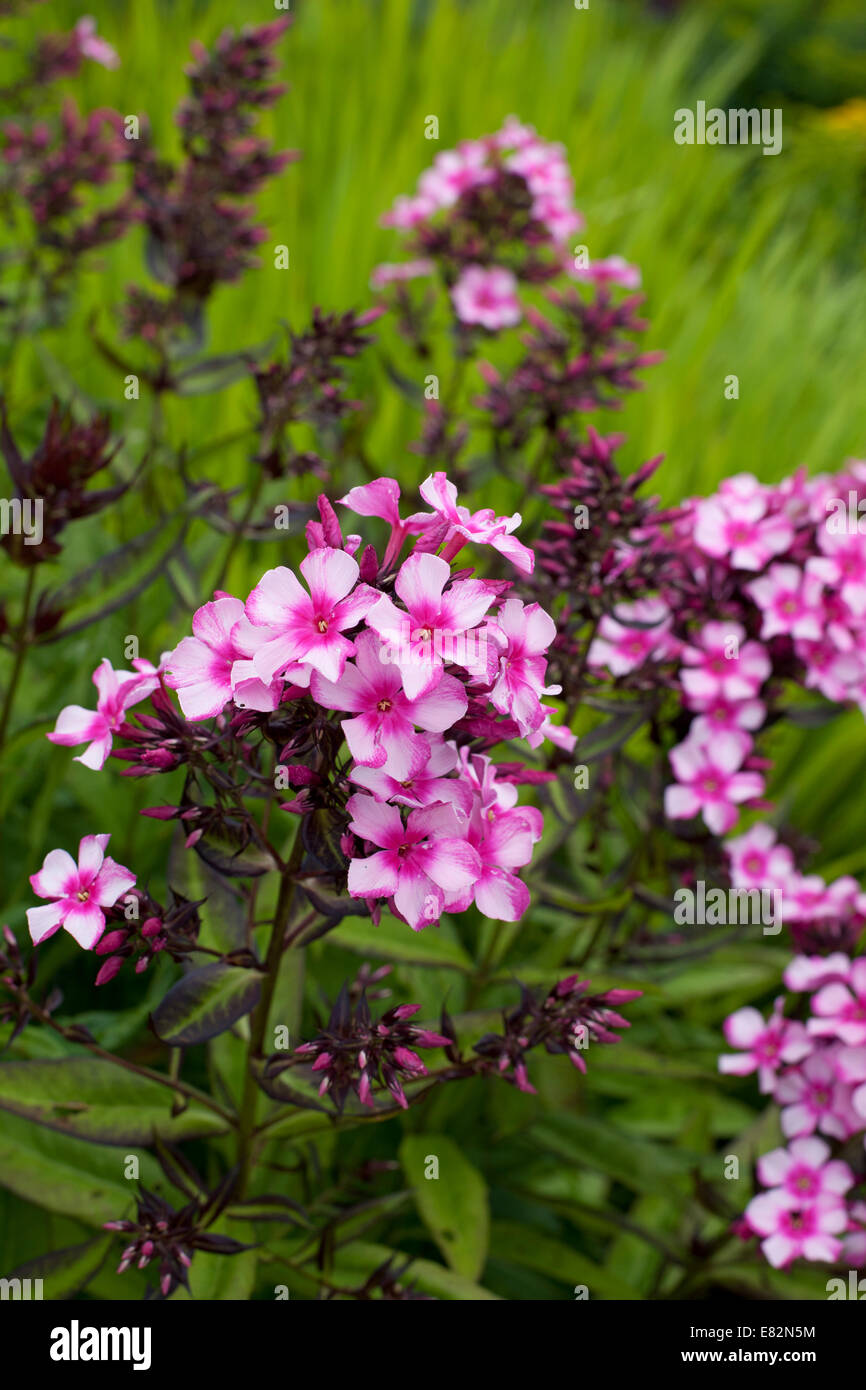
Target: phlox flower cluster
762,584
426,668
815,1071
493,212
819,916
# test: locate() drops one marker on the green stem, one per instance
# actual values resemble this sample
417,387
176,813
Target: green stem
259,1019
20,653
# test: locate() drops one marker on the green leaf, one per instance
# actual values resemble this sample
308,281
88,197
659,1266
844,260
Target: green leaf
527,1246
393,940
65,1272
205,1002
453,1206
223,1278
592,1143
63,1174
92,1099
612,734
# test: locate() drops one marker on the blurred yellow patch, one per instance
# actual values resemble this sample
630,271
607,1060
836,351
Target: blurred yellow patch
847,119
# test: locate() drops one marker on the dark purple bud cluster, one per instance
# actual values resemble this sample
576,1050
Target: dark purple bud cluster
153,929
565,1021
160,1234
309,386
56,476
356,1054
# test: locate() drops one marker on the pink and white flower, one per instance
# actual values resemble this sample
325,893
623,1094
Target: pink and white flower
504,842
765,1045
812,1097
79,892
792,1229
736,525
117,691
839,1009
622,647
709,780
90,45
719,666
527,633
790,601
614,270
205,668
383,727
416,638
482,527
417,864
805,1171
487,297
428,782
756,860
310,625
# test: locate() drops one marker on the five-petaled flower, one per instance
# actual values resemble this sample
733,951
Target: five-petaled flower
80,892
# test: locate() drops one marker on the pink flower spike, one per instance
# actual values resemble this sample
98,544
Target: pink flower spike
79,892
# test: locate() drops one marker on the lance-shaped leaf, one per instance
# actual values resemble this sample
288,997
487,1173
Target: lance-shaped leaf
65,1272
93,1099
607,737
206,1002
65,1175
451,1198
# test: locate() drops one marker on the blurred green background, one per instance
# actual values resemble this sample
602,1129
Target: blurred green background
751,266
